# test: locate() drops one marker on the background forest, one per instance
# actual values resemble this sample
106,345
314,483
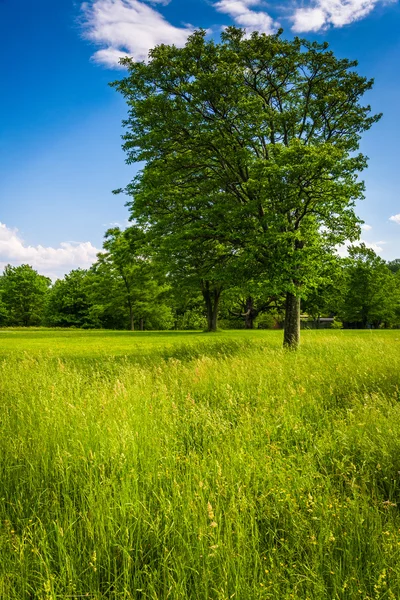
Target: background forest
131,288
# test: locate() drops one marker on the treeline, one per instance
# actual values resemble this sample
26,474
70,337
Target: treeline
132,287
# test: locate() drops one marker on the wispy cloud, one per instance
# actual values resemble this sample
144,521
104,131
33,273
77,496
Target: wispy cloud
375,246
342,250
53,262
128,28
243,14
366,227
132,27
321,14
395,219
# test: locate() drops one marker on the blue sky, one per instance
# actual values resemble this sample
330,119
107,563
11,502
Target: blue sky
60,123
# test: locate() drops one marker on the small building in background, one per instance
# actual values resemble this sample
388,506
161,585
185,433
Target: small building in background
307,322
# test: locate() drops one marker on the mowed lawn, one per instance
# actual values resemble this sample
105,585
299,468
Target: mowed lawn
199,466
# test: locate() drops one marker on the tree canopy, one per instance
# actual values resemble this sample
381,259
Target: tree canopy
372,294
22,295
137,281
251,143
361,290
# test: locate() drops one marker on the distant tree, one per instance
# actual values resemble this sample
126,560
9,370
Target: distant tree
325,298
394,265
69,303
3,310
251,143
370,289
187,304
107,297
396,298
137,282
23,296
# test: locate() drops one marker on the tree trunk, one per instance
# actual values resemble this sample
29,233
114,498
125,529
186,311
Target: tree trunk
214,322
249,314
291,336
207,300
211,295
129,299
142,324
131,318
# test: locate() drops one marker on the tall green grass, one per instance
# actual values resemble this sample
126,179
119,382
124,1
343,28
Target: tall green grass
190,466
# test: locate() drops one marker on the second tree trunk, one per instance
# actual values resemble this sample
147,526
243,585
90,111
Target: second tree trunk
211,294
291,337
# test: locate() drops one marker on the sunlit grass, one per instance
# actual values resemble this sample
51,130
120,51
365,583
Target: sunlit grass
199,466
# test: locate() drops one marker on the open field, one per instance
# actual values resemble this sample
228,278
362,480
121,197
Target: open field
195,466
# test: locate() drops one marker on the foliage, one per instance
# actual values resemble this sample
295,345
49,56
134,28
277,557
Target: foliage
187,305
337,324
136,282
326,297
360,291
250,144
3,310
250,302
108,298
22,296
371,296
394,265
69,303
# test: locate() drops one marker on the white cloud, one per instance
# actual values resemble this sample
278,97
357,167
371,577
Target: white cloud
53,262
366,227
337,13
128,28
308,19
375,246
395,219
132,27
243,15
342,250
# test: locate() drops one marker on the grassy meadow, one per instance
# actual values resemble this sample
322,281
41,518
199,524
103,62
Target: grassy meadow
199,466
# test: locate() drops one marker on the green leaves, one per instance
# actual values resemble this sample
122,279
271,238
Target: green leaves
70,304
250,143
22,296
372,292
137,287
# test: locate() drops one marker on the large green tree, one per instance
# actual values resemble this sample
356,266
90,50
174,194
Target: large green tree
251,142
23,295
